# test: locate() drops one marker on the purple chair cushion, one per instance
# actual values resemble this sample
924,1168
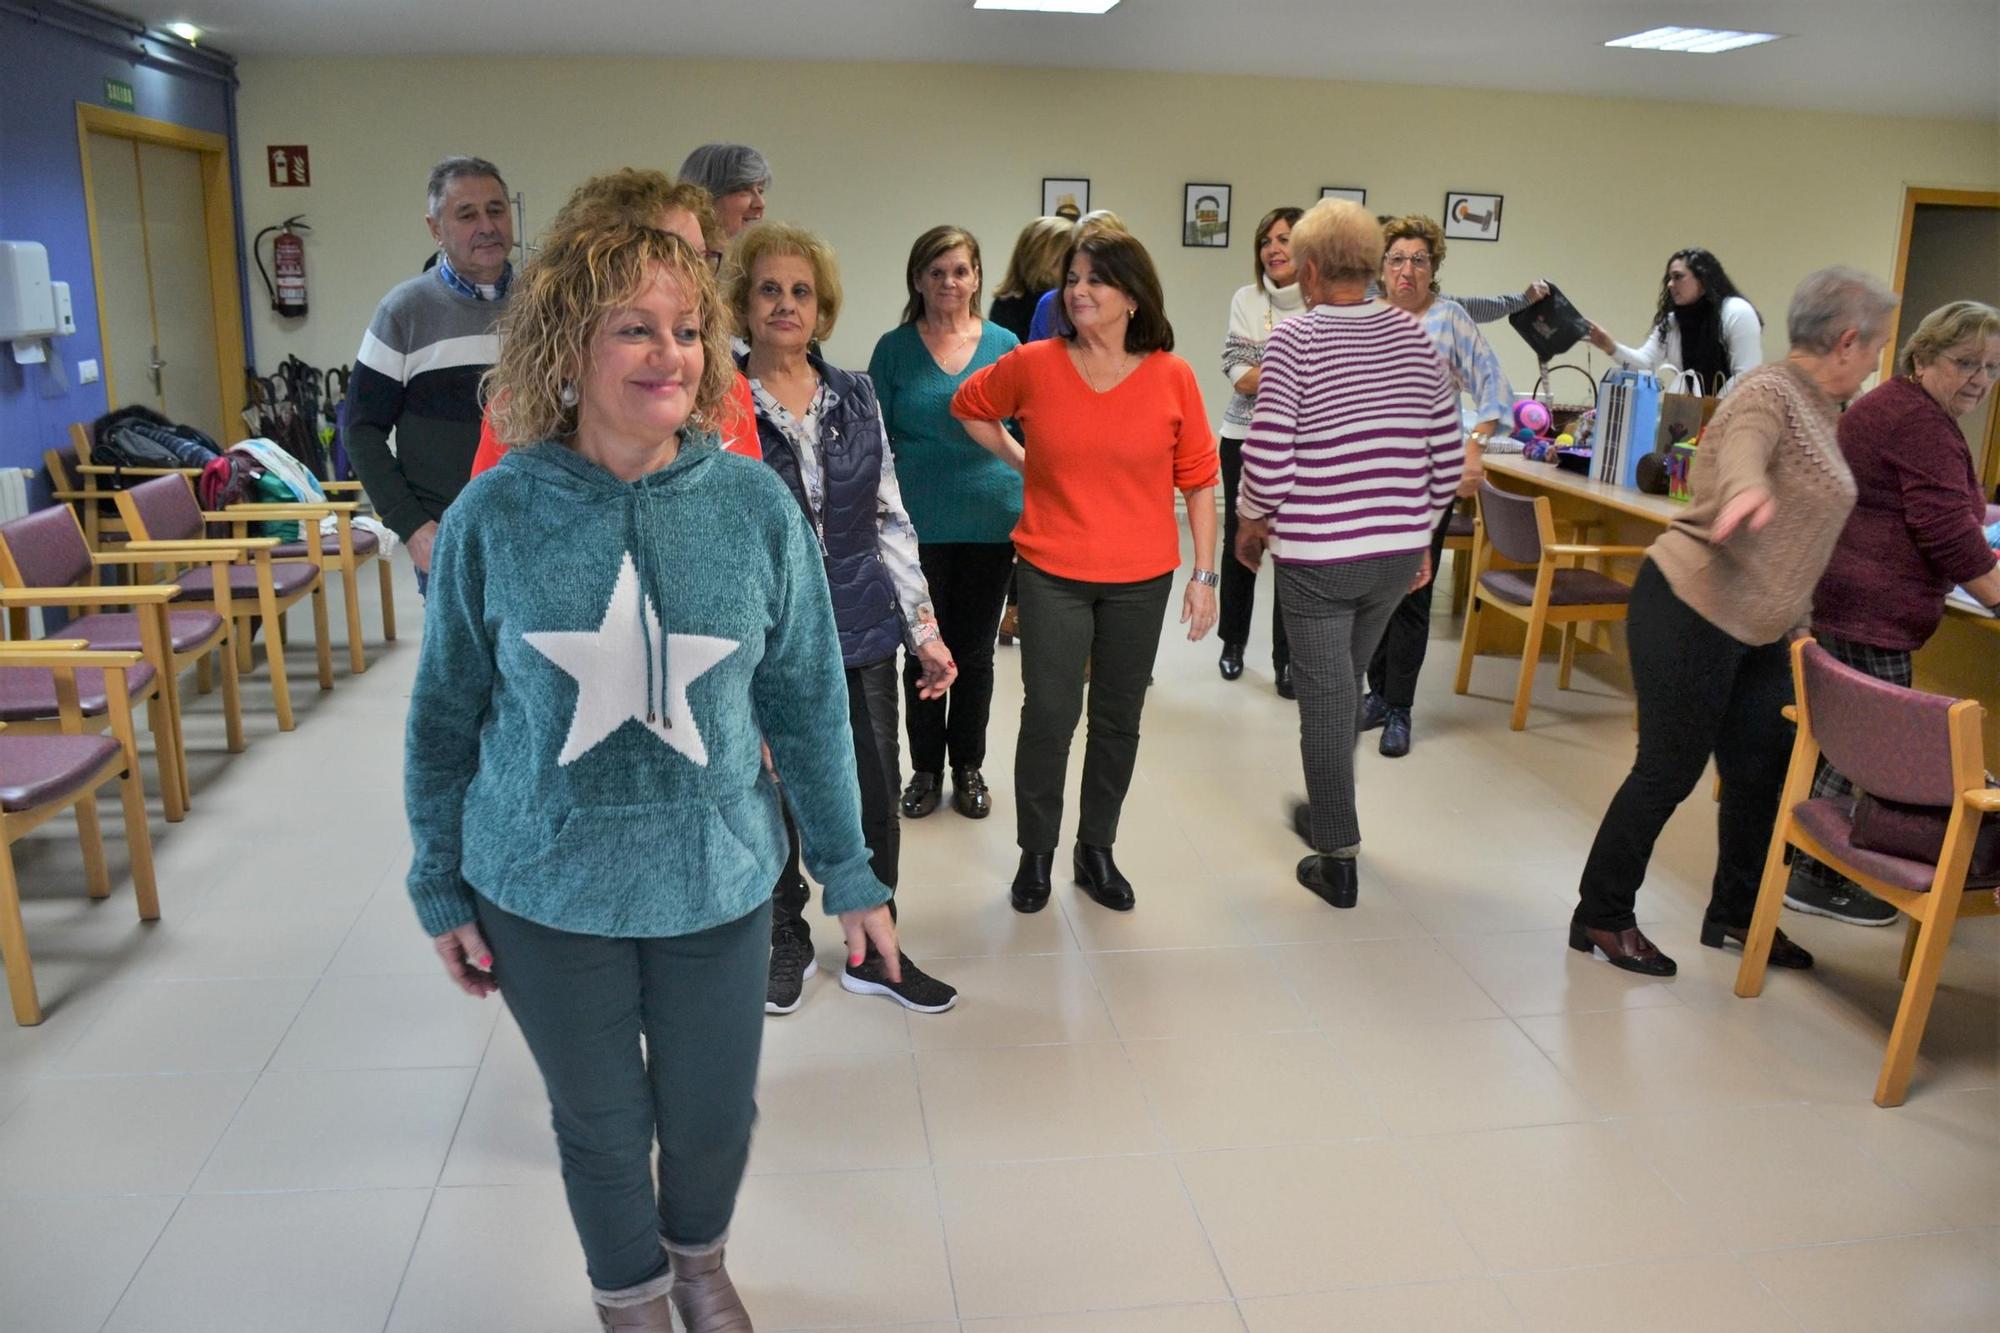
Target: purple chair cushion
1460,526
365,543
1917,832
48,547
288,577
28,694
1832,823
167,509
1572,587
35,770
118,631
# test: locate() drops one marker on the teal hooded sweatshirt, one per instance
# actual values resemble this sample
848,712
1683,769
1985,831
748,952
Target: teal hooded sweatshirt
600,660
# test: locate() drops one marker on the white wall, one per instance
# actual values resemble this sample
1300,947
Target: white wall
1598,192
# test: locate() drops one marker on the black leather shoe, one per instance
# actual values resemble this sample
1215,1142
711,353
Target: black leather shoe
1098,875
1628,949
1374,712
1286,690
1302,821
969,795
1334,878
920,797
1231,661
1784,953
1396,733
1031,881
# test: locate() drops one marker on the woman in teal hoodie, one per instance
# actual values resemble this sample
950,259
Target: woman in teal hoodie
617,614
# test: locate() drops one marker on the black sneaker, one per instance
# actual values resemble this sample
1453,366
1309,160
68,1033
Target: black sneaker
1395,733
1843,902
792,963
917,990
1374,712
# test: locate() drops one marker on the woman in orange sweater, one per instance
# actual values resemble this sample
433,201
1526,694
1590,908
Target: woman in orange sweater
1112,425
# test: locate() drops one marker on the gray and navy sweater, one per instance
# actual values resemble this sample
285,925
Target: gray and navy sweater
417,373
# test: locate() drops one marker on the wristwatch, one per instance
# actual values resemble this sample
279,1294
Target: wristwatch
1207,578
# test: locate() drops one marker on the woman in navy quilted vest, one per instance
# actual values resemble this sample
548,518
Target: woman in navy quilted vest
821,430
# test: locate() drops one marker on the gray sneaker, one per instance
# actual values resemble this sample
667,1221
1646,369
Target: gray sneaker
792,964
1843,902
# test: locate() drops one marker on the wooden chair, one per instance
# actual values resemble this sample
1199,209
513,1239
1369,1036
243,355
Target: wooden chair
1461,537
93,487
43,775
1898,745
344,551
1543,588
168,525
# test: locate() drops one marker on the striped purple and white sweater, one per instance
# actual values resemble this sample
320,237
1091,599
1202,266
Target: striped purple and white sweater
1355,449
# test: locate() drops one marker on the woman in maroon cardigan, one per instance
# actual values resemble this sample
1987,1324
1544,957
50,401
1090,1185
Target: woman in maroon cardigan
1916,530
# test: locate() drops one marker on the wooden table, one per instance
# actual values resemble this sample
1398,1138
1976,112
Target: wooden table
1962,659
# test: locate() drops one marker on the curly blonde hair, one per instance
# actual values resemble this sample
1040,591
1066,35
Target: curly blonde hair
1417,227
768,240
589,267
639,197
1945,328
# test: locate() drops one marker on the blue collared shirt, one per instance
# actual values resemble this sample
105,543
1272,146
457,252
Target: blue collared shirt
449,276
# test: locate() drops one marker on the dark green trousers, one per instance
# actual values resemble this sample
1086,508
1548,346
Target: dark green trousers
1113,630
584,1002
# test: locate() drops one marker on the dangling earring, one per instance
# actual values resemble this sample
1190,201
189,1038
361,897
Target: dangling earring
567,394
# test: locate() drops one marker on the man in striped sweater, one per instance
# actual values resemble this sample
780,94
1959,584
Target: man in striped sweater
417,373
1353,457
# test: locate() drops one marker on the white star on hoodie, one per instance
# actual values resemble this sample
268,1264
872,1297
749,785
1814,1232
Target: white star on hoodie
618,663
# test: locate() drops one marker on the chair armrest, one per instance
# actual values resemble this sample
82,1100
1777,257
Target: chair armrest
167,553
202,547
134,596
100,470
57,653
299,509
1984,799
1790,712
1567,548
331,486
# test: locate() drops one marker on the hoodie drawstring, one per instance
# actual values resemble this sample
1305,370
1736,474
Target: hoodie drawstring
655,689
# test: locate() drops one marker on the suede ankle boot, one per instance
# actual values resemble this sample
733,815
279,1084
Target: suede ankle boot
705,1298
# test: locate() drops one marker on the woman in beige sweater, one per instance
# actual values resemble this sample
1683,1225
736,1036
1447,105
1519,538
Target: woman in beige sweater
1712,609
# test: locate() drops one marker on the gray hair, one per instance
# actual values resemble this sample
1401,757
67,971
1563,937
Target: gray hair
724,168
1832,301
1945,328
457,168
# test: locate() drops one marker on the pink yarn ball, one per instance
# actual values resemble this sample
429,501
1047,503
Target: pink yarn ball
1533,415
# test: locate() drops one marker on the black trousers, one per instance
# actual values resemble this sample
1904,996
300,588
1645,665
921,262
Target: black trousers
1701,692
1238,594
1399,658
1113,629
968,582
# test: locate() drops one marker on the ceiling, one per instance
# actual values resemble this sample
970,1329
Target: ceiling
1874,57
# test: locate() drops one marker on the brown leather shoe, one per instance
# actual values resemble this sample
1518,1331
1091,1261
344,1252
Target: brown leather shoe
705,1298
1010,626
1784,953
646,1317
1628,949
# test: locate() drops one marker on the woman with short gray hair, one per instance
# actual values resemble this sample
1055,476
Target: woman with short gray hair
737,176
1715,601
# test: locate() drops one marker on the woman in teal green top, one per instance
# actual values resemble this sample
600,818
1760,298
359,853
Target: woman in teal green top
963,501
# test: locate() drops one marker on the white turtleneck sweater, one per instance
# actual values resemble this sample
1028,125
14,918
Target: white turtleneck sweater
1253,313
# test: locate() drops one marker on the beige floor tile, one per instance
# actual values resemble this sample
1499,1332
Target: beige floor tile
188,1027
1190,914
1941,1284
63,1262
846,1112
1667,1058
504,1136
340,1129
501,1259
1717,1295
386,939
1557,1196
854,1247
1769,1176
1220,1317
321,1262
1323,1216
1470,891
1277,910
1025,1102
1417,1077
269,940
388,1023
143,1134
1442,1307
1015,1001
1533,972
1946,1145
1381,983
1106,1233
975,921
1195,993
1252,1091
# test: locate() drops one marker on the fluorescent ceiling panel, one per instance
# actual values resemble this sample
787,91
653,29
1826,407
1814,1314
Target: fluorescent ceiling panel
1693,41
1049,6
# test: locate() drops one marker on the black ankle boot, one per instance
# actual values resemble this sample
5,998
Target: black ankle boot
1231,661
1031,881
1098,875
1334,878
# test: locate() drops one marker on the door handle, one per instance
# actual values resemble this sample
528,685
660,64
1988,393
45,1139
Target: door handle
153,368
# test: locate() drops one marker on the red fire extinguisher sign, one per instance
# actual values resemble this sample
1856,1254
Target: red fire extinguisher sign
288,164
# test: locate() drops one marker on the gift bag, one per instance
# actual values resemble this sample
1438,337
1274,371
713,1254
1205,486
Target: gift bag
1628,421
1684,411
1551,325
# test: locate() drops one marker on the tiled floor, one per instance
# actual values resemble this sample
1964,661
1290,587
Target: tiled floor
1233,1110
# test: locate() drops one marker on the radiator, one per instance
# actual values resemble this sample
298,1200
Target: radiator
13,493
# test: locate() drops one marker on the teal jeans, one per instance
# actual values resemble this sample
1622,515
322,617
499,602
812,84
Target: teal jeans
584,1002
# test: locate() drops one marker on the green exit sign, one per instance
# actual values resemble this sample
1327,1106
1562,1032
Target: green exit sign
118,93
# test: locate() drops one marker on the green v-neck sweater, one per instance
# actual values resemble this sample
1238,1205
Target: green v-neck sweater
954,490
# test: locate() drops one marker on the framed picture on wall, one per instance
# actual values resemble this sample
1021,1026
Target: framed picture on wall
1065,196
1205,219
1471,217
1353,194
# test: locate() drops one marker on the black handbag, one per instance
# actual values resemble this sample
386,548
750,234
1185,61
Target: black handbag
1551,325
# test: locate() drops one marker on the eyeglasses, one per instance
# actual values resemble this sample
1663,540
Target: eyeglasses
1407,261
1969,367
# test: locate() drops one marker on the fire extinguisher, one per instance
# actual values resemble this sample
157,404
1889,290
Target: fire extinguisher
288,257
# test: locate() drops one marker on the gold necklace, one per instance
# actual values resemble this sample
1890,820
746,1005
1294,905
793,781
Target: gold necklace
1118,372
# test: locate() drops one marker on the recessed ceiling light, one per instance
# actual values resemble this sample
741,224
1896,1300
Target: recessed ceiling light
187,32
1693,41
1049,6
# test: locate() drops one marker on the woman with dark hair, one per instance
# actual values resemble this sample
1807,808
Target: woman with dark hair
1034,270
1703,324
964,503
1112,424
1270,300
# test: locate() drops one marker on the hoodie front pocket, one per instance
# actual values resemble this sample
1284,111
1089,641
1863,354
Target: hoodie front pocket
635,865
